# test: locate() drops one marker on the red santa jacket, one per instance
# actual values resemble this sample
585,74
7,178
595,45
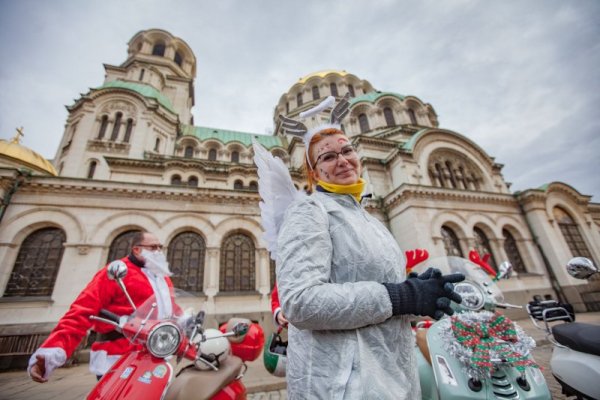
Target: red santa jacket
100,293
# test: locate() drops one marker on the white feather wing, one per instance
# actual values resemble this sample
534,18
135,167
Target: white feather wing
277,192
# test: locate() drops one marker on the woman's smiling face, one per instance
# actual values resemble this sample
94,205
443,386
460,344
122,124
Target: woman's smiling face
335,160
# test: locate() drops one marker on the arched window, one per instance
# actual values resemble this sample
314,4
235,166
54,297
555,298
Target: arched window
315,93
512,251
158,49
571,233
351,90
235,157
363,121
37,264
91,169
287,107
482,245
212,155
116,127
238,184
389,117
272,274
186,261
453,170
103,125
178,58
412,116
142,74
333,89
451,243
188,152
121,245
157,144
253,186
193,181
128,130
176,180
299,99
237,264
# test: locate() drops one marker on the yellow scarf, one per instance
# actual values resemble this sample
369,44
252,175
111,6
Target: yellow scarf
355,189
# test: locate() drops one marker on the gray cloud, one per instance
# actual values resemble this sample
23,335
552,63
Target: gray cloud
520,78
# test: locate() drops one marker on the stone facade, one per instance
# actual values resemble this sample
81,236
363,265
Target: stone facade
131,158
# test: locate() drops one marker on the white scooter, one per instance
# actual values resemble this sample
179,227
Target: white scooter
575,359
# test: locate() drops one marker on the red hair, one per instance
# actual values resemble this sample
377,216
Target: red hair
308,162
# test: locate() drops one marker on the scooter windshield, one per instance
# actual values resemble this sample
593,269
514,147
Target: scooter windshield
473,274
149,314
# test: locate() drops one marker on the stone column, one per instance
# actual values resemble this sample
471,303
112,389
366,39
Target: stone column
211,280
262,267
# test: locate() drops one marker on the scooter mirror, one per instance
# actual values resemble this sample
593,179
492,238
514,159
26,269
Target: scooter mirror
581,268
241,328
505,270
116,270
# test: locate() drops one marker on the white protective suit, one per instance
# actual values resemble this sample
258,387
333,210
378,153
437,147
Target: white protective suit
343,343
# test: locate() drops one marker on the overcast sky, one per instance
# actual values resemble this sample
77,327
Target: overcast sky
519,77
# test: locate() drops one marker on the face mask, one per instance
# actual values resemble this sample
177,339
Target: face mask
156,262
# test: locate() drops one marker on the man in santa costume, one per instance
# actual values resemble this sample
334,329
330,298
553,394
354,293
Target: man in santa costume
148,274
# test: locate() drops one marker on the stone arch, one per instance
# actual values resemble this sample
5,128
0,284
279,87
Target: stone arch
514,226
564,196
453,220
189,222
425,143
115,224
485,223
16,228
243,224
119,102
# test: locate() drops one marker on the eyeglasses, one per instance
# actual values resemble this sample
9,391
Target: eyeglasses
331,156
153,247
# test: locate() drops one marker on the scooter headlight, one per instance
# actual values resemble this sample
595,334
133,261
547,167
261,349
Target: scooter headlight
472,296
164,340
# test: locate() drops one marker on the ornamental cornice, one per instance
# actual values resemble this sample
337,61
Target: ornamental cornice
408,129
81,187
127,162
375,141
409,192
161,163
372,161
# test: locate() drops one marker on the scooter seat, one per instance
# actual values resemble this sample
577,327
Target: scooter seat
579,337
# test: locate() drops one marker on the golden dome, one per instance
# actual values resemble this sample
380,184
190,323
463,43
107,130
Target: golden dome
12,151
322,74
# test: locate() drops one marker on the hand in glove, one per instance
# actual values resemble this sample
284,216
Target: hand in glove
428,294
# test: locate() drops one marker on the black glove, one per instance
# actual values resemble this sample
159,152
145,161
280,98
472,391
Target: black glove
428,294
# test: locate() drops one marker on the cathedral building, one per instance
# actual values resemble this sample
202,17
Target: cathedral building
132,158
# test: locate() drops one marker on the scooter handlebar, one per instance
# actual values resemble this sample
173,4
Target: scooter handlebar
109,315
508,305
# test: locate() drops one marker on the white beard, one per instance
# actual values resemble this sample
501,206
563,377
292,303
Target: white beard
156,262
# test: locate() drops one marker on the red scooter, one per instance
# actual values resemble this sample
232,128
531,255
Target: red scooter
215,357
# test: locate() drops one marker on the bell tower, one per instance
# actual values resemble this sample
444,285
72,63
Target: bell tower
135,114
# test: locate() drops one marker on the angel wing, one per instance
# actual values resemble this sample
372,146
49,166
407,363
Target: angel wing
277,192
341,110
292,127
